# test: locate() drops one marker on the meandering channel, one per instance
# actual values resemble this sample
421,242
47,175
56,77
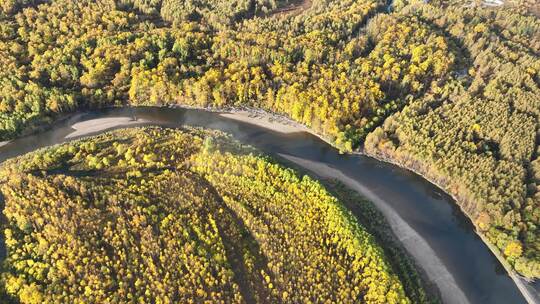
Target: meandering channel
425,219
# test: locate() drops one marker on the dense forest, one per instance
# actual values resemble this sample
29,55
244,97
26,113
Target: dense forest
447,88
331,67
477,135
153,215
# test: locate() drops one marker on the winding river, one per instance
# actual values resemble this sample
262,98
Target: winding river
426,220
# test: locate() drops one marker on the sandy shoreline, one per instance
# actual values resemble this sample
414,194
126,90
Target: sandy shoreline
102,124
268,120
4,143
277,124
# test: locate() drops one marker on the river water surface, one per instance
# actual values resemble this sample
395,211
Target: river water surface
425,208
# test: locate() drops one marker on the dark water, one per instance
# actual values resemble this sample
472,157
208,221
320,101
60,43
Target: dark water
427,209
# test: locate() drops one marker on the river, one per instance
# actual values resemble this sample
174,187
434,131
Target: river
427,221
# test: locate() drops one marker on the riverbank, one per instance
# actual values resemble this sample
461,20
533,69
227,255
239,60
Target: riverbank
262,118
270,122
520,282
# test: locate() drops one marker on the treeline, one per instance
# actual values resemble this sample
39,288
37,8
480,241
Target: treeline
178,216
477,135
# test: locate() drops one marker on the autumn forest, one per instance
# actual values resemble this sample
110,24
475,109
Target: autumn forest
448,89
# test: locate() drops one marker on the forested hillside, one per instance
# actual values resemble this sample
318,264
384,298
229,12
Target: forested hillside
325,67
447,88
477,135
184,216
